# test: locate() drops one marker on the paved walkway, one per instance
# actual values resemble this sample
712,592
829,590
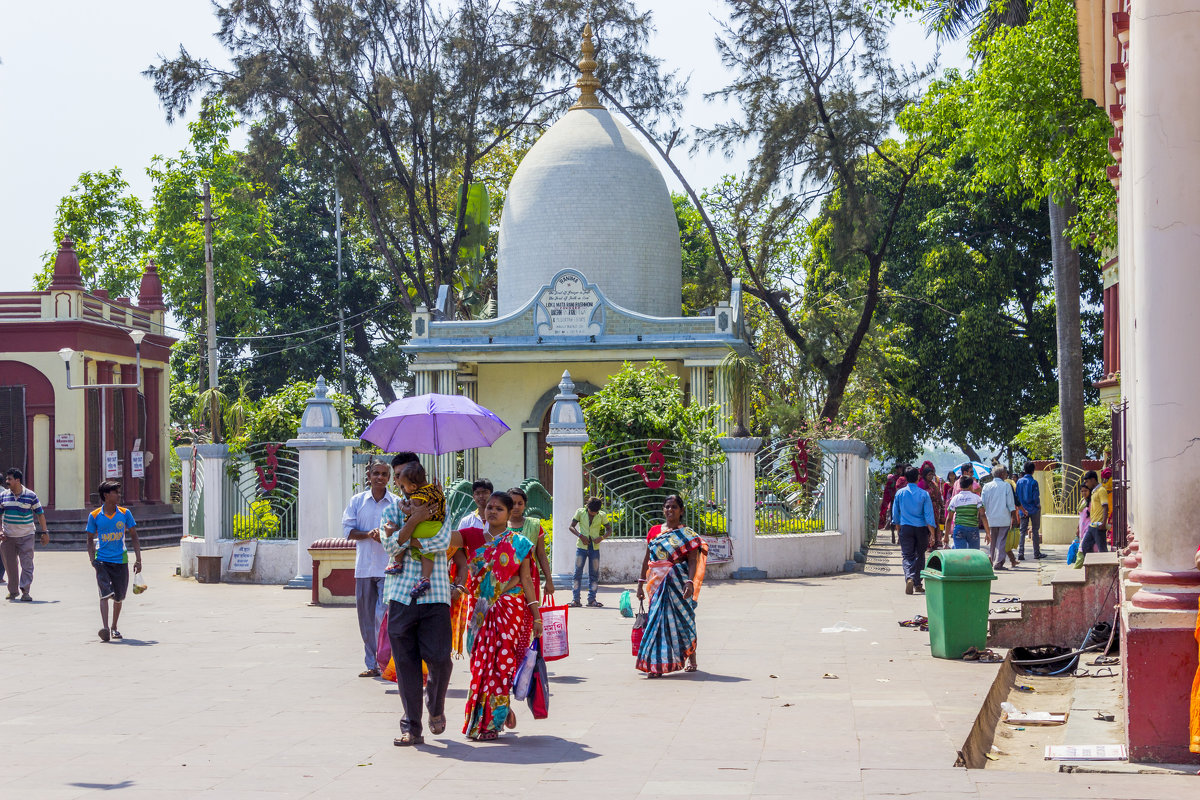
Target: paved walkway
239,691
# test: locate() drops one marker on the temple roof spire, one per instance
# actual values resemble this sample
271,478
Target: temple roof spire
587,82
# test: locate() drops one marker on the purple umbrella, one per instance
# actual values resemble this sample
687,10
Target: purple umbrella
434,423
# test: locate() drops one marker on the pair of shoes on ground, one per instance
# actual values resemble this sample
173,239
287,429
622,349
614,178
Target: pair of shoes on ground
985,656
910,587
591,604
369,673
25,598
437,726
110,633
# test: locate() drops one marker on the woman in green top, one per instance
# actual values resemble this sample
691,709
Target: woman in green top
532,530
588,525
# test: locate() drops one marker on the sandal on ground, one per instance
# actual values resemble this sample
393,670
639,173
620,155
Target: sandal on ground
487,736
971,654
990,656
369,673
408,739
691,667
103,634
576,604
510,720
437,725
915,622
595,604
115,634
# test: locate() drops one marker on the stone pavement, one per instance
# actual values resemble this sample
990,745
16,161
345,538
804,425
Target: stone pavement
238,691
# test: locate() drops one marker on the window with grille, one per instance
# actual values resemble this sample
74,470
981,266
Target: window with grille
12,428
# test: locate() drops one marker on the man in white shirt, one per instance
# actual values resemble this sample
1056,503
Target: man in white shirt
1000,508
360,524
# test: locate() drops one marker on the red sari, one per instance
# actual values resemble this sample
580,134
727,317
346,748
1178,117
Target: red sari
498,633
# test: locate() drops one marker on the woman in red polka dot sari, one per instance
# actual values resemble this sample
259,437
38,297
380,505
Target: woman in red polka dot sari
504,619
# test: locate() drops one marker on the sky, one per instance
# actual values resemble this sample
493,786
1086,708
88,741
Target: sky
73,100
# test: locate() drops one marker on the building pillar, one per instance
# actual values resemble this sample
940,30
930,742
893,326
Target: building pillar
739,515
1161,168
324,480
213,468
447,463
156,434
850,474
567,435
470,389
41,448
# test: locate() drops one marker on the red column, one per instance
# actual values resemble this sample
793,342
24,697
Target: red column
152,379
104,375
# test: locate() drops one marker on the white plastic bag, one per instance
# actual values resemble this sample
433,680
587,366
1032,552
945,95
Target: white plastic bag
139,583
524,677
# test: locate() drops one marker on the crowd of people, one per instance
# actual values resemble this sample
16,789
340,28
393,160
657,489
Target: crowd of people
474,588
969,509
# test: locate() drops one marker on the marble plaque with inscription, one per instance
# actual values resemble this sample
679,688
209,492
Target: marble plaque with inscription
569,307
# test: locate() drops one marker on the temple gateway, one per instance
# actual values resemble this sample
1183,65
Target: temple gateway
589,276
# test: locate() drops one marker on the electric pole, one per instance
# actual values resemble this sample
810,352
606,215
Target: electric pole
210,304
337,215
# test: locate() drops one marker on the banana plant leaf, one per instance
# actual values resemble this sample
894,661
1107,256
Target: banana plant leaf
476,222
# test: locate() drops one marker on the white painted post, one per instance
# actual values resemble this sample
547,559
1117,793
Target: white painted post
213,468
851,472
567,435
325,479
739,458
185,489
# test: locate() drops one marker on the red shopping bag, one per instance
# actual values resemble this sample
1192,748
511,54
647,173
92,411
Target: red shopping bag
639,628
554,631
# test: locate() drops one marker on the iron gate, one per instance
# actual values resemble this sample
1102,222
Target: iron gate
261,490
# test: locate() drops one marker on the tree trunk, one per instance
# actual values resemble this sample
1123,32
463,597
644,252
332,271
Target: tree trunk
968,451
1070,337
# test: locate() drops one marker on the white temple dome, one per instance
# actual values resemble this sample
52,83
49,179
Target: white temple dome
588,196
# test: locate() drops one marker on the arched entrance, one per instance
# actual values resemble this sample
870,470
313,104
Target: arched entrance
27,426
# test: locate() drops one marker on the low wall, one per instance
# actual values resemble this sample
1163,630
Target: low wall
1059,528
797,555
274,561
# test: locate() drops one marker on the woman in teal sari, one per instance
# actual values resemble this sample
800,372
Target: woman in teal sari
672,571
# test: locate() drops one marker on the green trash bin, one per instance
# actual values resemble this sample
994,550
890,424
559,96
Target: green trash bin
957,588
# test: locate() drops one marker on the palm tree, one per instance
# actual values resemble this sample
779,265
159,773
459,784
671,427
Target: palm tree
950,19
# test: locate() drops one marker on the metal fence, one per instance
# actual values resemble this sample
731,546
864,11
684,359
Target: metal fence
1120,477
1066,488
261,489
795,488
871,512
631,479
195,509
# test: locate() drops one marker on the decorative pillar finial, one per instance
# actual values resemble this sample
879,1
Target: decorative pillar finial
587,82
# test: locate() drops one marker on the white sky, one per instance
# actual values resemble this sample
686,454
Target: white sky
72,98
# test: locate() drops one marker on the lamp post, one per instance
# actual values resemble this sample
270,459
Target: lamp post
66,354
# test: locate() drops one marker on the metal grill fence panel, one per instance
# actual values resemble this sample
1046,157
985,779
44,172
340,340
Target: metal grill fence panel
795,487
261,490
195,509
632,478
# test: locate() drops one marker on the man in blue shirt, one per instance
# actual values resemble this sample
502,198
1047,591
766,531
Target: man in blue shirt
107,529
913,511
1029,509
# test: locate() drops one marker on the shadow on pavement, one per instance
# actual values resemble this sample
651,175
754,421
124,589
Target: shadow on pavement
103,786
516,749
136,642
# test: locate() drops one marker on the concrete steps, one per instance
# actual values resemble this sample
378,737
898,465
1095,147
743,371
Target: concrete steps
1062,612
157,526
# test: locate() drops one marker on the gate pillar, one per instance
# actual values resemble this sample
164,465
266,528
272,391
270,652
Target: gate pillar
215,457
567,435
325,464
851,470
739,455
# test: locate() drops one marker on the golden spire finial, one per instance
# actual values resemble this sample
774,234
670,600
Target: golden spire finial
587,82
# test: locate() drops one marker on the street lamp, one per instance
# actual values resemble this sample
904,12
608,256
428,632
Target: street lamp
66,354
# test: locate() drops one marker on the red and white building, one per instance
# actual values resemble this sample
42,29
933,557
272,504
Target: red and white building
61,347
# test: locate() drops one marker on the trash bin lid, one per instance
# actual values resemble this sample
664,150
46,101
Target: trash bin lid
959,565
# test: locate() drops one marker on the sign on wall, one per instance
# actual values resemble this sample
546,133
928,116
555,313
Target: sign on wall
112,464
64,441
137,464
720,549
569,307
242,558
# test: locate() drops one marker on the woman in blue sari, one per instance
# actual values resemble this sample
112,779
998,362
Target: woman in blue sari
672,571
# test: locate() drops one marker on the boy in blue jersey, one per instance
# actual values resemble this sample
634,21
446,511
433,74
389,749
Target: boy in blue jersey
107,528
